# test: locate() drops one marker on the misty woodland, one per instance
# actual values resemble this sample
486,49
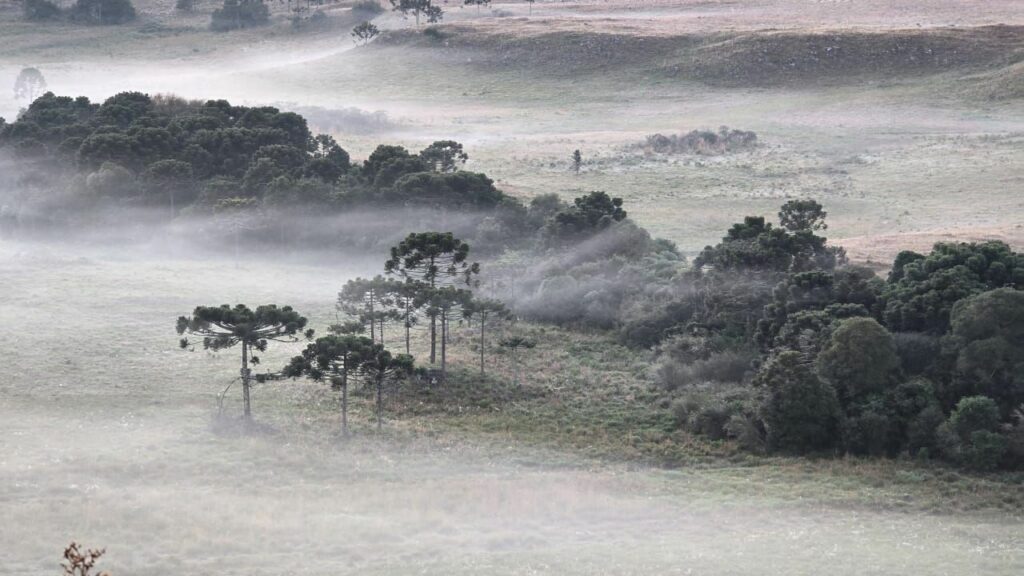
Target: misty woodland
492,288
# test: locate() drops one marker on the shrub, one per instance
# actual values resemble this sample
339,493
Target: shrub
104,11
922,430
701,142
38,10
367,6
238,14
972,414
984,450
970,435
868,431
708,410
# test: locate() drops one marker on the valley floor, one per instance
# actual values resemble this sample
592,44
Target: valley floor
112,439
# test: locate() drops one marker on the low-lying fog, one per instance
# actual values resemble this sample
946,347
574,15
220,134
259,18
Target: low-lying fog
107,437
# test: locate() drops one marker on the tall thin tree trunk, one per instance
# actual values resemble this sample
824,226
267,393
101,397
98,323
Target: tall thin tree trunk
246,405
444,347
381,331
433,317
482,322
380,402
344,406
433,338
407,330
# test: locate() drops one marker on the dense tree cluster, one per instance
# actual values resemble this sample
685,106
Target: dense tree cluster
88,11
926,362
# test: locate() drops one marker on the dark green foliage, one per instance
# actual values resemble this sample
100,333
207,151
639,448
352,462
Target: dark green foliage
444,156
103,11
238,14
859,360
801,412
970,435
263,149
224,326
367,6
802,216
868,429
846,292
333,358
755,244
988,337
418,8
39,10
715,412
922,290
588,215
432,257
918,352
449,191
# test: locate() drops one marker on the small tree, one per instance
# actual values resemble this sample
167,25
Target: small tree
238,14
104,11
478,3
29,84
443,303
444,156
39,10
223,327
530,2
577,161
803,216
484,310
379,366
417,8
371,301
514,344
332,358
363,33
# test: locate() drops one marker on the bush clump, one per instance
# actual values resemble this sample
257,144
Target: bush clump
704,142
238,14
40,10
367,6
103,11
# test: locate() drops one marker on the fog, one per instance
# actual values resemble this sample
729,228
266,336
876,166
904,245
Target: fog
111,437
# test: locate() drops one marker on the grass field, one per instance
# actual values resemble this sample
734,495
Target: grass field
112,439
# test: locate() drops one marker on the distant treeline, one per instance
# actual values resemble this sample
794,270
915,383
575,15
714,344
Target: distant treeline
211,157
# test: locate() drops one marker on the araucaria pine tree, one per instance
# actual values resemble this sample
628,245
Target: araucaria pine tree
433,259
484,311
379,366
333,359
223,327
